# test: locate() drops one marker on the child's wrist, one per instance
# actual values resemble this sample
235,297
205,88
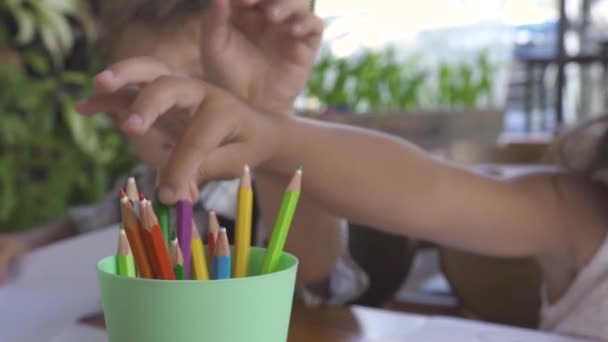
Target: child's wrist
275,107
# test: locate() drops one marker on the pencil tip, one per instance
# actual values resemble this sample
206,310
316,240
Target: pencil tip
142,197
300,168
173,237
122,193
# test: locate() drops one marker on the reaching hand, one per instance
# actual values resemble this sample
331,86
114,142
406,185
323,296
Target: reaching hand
214,134
262,50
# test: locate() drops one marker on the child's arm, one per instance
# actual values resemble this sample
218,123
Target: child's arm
367,177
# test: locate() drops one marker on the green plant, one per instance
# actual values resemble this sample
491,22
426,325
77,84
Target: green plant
50,156
378,81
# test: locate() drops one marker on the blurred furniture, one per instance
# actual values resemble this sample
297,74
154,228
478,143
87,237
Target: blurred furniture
535,91
370,249
537,62
431,130
498,290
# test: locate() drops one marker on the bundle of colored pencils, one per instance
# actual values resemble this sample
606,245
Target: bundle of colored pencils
149,248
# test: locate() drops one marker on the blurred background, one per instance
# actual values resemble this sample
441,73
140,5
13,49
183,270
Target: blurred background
475,81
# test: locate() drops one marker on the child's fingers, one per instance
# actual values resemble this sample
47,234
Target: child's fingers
106,102
134,70
215,26
280,10
191,151
308,25
160,96
193,191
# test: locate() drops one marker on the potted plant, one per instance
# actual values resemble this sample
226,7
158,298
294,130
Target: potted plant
431,106
50,157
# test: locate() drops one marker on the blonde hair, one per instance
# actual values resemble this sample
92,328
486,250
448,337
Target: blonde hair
157,16
583,150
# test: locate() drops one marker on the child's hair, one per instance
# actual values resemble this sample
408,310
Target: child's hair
157,16
584,150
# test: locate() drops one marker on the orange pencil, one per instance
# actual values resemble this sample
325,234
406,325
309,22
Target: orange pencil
157,248
134,235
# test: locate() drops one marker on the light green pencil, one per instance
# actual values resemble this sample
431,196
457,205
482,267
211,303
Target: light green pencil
177,259
125,263
283,223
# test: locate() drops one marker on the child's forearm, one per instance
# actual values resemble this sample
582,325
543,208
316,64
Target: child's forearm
357,174
48,232
316,237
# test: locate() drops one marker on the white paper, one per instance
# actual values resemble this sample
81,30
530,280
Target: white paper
53,287
81,333
440,329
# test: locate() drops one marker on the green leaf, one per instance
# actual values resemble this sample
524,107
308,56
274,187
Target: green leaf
54,21
37,61
75,78
62,6
26,24
7,190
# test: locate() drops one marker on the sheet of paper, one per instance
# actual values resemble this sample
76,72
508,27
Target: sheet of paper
35,314
81,333
53,287
440,329
67,264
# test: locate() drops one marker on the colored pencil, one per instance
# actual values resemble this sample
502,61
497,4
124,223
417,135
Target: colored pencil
184,232
177,259
283,223
199,260
133,194
125,265
163,211
214,228
242,239
133,231
157,248
221,258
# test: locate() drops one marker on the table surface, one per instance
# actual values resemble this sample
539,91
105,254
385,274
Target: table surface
355,323
343,324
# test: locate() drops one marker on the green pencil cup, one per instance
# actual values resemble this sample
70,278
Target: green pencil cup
252,309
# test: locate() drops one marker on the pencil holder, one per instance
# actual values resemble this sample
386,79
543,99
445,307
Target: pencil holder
255,308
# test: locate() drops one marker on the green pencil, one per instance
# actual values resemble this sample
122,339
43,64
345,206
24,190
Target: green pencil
283,223
125,264
163,214
177,259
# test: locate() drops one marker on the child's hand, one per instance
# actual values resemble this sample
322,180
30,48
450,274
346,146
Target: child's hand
262,50
11,248
215,127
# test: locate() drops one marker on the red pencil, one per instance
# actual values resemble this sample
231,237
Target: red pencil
153,237
213,230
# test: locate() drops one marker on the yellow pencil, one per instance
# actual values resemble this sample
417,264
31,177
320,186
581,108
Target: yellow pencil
199,261
242,237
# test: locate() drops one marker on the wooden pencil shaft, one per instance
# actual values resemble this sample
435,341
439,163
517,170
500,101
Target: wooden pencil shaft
184,232
242,241
133,231
282,224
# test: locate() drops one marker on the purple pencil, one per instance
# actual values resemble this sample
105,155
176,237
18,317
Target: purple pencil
184,232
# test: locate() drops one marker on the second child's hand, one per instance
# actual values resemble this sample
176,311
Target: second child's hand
261,50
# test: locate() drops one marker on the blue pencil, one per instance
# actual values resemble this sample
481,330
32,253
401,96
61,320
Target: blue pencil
221,259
